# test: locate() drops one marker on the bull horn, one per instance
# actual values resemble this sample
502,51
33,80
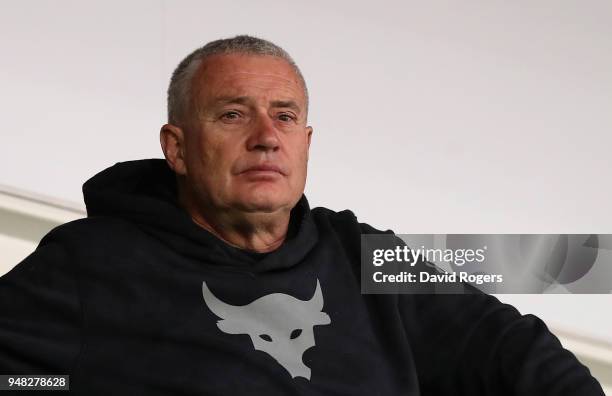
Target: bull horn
317,298
218,307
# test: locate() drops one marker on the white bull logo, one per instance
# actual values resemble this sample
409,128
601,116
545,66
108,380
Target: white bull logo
278,324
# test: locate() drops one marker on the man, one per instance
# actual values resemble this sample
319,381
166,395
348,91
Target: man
208,273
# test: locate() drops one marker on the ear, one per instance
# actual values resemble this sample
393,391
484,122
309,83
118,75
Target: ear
309,137
230,327
172,141
309,130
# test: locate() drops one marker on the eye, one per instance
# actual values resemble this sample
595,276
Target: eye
265,337
230,115
295,333
286,117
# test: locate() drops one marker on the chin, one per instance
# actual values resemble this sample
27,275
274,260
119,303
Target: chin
262,206
266,203
267,196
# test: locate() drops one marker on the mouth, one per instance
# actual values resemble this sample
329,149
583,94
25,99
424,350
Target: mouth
264,169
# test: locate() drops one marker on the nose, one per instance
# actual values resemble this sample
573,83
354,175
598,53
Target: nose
264,135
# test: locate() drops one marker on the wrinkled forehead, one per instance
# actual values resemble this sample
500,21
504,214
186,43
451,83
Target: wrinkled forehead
225,75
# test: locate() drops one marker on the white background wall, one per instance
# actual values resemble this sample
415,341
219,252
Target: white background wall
429,117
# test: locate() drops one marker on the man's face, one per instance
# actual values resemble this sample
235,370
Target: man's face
246,146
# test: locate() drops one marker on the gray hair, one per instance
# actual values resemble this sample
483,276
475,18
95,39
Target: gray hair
179,91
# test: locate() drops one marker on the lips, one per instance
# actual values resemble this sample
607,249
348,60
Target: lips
264,168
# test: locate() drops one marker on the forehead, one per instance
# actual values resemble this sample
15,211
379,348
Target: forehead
244,74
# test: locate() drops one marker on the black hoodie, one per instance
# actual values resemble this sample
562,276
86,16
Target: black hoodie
137,299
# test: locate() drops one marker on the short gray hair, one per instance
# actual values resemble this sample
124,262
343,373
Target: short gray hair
179,91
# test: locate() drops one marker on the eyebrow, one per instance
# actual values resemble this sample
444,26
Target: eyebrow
231,100
286,103
244,100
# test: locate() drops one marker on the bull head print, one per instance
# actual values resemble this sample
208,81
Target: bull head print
278,324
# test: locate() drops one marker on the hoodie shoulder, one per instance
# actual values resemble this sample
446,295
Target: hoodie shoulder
96,232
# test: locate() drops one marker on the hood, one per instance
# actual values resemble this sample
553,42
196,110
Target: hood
144,192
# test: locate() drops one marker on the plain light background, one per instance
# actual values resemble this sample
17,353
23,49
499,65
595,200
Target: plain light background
429,117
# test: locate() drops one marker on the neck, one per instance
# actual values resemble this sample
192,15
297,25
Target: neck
255,231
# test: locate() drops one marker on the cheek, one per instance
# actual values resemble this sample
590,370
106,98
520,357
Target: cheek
302,153
300,161
201,161
217,162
